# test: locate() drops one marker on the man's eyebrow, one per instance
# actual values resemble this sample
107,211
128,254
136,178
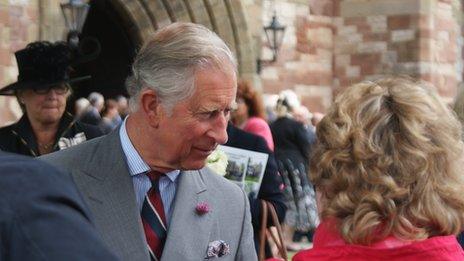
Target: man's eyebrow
205,108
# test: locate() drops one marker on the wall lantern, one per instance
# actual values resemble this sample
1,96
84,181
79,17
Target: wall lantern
274,35
85,49
74,12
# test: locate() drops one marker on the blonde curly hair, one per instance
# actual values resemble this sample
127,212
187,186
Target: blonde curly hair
459,105
388,161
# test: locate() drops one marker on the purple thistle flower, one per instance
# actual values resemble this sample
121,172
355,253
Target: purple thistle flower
202,208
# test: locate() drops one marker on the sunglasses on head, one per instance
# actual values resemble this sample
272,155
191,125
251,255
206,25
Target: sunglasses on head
59,89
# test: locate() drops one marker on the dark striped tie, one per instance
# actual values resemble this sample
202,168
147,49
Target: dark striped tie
153,217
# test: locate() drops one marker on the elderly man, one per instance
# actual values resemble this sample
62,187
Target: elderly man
146,183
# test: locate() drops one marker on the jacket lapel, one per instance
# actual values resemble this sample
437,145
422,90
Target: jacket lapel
112,198
189,232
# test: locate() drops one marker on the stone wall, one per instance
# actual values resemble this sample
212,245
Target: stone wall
442,59
18,26
305,59
420,38
331,44
315,43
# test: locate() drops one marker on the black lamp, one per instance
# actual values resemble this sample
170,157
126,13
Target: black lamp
75,13
85,49
274,35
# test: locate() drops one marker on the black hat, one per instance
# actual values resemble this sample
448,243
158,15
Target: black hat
41,65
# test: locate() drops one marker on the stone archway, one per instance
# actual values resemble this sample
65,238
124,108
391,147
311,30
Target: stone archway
225,17
122,26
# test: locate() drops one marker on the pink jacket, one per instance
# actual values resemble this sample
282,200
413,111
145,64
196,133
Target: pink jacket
329,245
260,127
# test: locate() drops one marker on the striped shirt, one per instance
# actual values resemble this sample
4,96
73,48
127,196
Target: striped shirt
138,169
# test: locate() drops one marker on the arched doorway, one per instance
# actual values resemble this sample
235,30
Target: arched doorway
110,69
121,26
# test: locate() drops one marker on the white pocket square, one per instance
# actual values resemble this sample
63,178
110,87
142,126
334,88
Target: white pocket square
217,248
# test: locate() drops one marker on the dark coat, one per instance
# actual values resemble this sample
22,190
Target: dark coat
292,148
91,116
271,185
19,137
291,140
42,216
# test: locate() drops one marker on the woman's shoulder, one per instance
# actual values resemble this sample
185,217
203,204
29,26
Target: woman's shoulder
328,245
6,128
9,139
436,248
6,132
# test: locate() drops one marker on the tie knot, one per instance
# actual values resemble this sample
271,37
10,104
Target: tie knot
154,175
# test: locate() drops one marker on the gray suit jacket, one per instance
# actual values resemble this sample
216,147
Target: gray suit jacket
101,174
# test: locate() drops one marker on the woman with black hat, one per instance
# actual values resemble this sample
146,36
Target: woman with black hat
42,90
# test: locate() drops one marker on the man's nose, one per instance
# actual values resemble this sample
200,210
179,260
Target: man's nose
219,129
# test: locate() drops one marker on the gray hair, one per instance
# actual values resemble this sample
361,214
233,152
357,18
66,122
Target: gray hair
81,105
96,98
167,62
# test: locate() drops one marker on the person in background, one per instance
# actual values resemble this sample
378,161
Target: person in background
292,148
304,116
317,117
271,185
93,114
80,107
270,103
111,118
42,216
249,114
387,166
42,90
146,183
123,106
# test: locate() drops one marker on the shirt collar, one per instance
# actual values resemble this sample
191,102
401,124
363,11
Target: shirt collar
134,161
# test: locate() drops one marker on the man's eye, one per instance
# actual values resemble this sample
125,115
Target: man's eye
208,114
227,112
216,113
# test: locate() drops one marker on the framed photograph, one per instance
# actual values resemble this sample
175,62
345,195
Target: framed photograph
245,168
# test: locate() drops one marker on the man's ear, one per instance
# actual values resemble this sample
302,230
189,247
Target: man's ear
151,106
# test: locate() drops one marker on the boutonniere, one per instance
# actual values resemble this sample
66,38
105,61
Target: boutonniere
202,208
217,161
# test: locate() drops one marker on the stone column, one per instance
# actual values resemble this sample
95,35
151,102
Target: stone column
420,38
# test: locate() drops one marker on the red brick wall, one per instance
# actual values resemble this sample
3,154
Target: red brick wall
423,45
18,26
305,62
